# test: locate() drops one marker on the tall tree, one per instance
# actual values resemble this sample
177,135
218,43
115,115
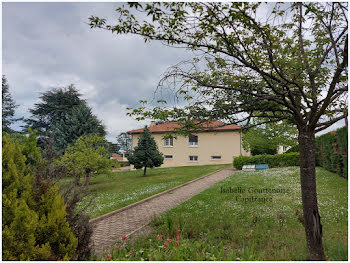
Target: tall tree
124,142
78,122
55,106
8,107
290,64
146,153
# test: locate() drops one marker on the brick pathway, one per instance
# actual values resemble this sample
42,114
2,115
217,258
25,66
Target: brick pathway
109,228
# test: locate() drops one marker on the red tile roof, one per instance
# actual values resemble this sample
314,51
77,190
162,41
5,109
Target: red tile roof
117,157
208,126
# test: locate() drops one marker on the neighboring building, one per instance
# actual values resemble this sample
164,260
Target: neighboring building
216,143
119,158
282,149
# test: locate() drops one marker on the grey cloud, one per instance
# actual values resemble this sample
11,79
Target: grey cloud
47,45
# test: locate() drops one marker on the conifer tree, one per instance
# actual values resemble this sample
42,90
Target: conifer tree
8,107
34,227
78,123
146,153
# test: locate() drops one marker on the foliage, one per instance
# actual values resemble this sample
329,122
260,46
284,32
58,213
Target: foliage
8,107
124,141
77,122
217,227
55,105
146,152
124,164
87,156
29,148
293,149
332,151
77,218
267,137
113,148
278,160
34,227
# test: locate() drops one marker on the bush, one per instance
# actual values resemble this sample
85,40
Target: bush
78,218
294,149
33,227
278,160
123,164
332,151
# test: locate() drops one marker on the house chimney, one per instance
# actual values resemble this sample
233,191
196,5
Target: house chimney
153,123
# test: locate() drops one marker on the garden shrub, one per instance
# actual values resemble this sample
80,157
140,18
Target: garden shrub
278,160
294,149
32,228
332,151
124,164
78,218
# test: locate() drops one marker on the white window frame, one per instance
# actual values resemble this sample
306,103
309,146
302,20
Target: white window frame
165,158
193,144
189,158
169,142
216,159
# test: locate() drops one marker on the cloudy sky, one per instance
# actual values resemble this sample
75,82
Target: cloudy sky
48,45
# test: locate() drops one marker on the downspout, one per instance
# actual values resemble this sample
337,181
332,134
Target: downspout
240,142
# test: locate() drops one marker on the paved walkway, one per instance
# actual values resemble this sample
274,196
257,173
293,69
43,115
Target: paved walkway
109,228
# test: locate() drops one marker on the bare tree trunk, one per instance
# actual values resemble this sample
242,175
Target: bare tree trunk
76,176
312,219
144,171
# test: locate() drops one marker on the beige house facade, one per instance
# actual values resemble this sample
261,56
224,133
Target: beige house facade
215,143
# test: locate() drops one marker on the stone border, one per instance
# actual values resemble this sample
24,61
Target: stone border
97,219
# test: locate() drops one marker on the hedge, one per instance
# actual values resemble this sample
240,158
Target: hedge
277,160
294,149
332,151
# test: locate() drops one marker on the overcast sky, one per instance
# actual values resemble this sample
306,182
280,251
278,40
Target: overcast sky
48,45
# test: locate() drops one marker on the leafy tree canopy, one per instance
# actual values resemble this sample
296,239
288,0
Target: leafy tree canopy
266,138
146,153
87,156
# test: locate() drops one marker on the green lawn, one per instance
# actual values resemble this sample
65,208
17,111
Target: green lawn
225,226
113,190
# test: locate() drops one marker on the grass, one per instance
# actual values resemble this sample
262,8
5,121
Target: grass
217,226
113,190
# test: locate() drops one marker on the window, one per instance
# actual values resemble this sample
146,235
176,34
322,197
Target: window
193,158
168,142
168,157
216,157
193,140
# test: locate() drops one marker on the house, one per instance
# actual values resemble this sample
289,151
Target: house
119,158
215,143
